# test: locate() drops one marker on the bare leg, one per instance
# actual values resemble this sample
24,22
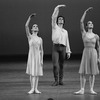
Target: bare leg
32,81
36,85
92,80
82,84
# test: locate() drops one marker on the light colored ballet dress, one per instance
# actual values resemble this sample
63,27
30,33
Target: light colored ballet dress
89,58
34,67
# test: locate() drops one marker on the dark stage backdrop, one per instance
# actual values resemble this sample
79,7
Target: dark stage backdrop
14,13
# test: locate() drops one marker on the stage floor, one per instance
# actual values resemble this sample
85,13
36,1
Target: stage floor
14,83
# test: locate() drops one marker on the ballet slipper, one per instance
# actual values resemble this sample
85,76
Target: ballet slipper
93,92
79,92
31,91
37,92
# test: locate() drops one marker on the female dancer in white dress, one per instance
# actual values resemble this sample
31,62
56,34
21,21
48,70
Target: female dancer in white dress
35,56
90,55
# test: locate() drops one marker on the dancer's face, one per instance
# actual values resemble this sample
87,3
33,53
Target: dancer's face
90,25
35,28
60,21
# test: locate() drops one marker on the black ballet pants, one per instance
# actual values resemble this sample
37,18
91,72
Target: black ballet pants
58,57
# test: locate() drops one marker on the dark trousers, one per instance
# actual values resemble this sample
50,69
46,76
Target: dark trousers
58,57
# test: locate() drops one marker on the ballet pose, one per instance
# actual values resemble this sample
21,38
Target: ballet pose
90,55
60,45
35,55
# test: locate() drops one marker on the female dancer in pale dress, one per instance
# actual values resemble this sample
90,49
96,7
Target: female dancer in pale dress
90,56
35,56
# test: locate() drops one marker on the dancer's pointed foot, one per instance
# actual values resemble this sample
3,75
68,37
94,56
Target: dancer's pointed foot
31,91
79,92
37,92
93,92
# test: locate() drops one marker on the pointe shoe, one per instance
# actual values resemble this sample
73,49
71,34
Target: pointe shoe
79,92
93,92
37,92
31,91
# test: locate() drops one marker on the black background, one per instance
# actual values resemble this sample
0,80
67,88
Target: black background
14,14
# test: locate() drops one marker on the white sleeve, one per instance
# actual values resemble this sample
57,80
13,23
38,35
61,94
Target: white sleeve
67,44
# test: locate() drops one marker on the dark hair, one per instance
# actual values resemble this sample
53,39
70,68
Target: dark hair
88,22
58,18
50,98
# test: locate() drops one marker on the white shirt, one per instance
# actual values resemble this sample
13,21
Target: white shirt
60,36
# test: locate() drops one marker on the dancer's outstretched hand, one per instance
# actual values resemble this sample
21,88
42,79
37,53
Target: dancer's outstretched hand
89,9
62,5
32,15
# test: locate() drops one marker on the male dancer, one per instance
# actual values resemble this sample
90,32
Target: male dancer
60,45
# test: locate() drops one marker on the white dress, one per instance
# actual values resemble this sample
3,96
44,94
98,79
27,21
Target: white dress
89,63
34,67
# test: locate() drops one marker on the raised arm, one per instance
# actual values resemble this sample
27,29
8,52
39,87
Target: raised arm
82,20
55,15
27,25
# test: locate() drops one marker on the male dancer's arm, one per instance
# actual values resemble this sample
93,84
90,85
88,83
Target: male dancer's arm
68,51
55,15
